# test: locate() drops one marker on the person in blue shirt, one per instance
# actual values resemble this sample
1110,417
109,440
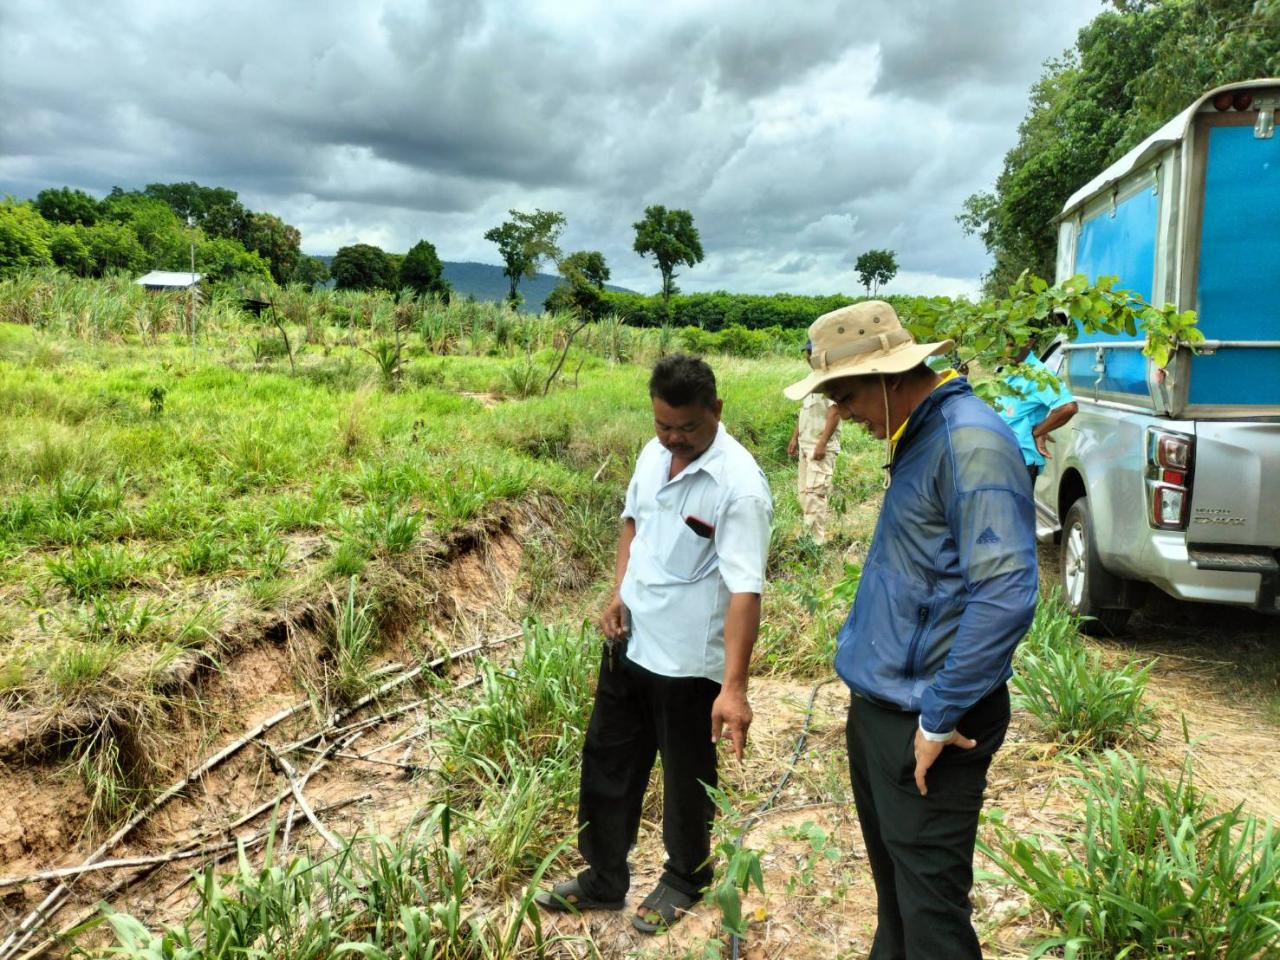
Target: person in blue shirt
948,589
1034,408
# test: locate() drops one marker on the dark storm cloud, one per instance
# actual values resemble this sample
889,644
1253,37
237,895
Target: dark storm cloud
796,138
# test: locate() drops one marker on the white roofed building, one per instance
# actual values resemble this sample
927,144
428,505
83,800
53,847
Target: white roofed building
169,280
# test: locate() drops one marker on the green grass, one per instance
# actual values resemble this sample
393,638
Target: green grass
91,571
152,495
381,897
354,642
1150,871
1081,702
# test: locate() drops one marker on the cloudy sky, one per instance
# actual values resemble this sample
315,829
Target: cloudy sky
798,136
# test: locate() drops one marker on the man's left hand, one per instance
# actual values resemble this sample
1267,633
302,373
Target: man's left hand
1042,444
819,450
731,711
928,751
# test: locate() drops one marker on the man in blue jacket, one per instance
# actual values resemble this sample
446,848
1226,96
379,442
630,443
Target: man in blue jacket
948,589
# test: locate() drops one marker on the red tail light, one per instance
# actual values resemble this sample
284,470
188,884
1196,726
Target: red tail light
1170,460
1222,101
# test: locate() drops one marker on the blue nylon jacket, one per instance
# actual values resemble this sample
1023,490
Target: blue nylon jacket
949,585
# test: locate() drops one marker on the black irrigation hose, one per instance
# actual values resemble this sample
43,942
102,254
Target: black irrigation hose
780,786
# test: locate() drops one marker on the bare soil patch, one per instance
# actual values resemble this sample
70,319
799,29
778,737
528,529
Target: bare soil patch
472,594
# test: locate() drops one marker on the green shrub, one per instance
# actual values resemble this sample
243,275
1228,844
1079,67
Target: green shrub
1064,684
1149,872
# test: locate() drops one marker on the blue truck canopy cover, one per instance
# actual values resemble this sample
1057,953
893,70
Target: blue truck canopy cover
1237,286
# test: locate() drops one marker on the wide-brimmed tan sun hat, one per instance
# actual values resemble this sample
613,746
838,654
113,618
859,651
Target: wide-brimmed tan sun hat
859,340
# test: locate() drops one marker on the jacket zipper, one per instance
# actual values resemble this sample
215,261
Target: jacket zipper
921,619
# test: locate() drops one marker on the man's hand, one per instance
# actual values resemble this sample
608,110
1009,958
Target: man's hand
793,446
731,710
613,620
819,450
927,751
1042,444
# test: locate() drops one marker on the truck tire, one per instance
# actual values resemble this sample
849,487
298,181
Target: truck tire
1088,589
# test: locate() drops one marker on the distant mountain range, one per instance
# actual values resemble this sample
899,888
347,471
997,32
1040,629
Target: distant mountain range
485,281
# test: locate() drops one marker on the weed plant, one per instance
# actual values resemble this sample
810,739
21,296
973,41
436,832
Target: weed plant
1062,681
514,751
1149,872
355,640
381,898
537,707
91,571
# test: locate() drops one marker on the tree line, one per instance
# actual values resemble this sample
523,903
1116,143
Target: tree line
164,226
167,226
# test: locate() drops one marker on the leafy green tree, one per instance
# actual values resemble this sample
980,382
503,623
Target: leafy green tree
69,250
423,272
362,266
309,271
672,239
590,264
875,269
1132,68
277,242
164,238
524,242
66,205
113,246
582,292
222,258
215,210
24,238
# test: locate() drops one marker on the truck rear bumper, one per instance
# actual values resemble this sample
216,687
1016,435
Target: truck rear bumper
1243,579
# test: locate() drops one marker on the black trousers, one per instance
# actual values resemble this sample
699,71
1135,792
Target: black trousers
638,715
920,848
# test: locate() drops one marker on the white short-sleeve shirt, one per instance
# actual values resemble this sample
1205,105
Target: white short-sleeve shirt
678,583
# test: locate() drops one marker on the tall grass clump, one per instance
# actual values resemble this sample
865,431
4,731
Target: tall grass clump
514,751
93,571
1149,872
1081,703
355,638
380,898
807,609
538,706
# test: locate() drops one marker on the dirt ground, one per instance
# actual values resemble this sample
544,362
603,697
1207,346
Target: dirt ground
819,900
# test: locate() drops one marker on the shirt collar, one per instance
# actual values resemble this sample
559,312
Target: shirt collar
944,377
710,461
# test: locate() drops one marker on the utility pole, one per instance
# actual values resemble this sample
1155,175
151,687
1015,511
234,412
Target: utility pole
191,290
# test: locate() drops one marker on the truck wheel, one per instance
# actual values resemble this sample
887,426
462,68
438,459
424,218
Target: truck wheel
1089,590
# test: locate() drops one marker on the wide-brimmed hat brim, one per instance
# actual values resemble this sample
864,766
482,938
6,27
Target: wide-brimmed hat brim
898,360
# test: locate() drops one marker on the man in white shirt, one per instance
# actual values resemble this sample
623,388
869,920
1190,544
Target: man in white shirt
680,628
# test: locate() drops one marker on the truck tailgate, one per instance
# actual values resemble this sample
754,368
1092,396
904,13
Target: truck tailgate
1235,494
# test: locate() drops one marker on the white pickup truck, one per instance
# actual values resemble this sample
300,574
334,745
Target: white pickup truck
1171,476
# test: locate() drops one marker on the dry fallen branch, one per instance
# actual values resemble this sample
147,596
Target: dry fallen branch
300,799
160,859
51,904
217,851
319,762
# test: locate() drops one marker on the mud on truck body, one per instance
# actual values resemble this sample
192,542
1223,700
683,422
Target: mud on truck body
1171,476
